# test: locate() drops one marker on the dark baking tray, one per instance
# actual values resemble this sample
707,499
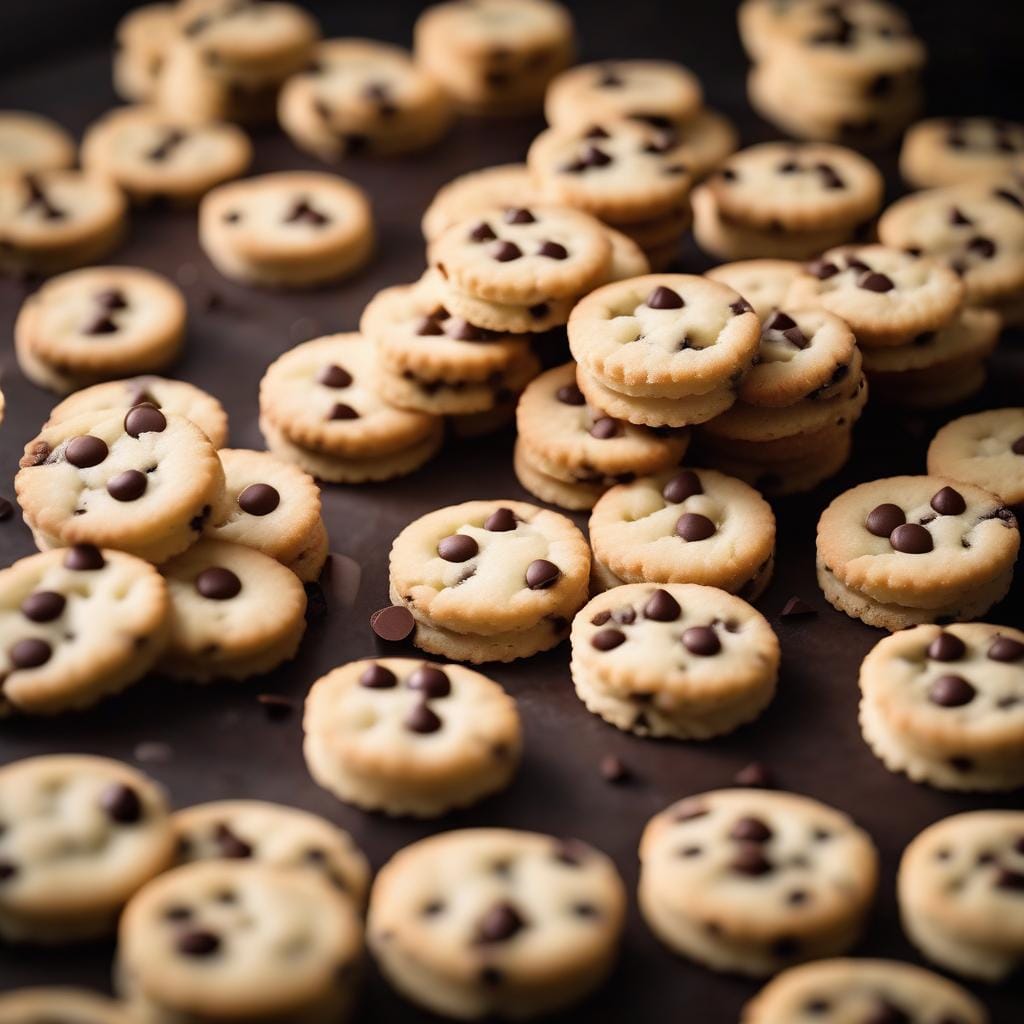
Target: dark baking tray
220,740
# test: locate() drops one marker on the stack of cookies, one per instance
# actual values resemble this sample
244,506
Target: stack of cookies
921,346
785,200
862,57
791,426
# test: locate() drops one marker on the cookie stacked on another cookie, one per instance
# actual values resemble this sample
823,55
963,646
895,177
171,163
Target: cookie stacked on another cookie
140,44
954,150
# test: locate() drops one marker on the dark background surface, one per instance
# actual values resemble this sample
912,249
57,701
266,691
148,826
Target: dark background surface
220,743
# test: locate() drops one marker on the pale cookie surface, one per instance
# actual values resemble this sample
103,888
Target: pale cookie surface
843,991
967,339
751,881
143,482
951,150
46,1005
679,660
985,449
763,283
29,142
410,737
887,296
235,612
81,834
961,893
493,921
488,567
77,624
140,43
505,185
946,705
797,186
692,526
220,940
275,834
291,228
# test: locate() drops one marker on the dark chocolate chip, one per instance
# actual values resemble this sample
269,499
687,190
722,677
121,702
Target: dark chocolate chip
983,247
553,251
875,282
501,923
741,306
1008,879
84,558
605,428
614,770
607,639
144,419
947,647
519,215
682,486
483,232
822,269
1018,446
752,830
422,720
571,395
501,520
911,539
692,526
541,574
218,584
458,547
702,641
1005,648
259,499
30,653
393,623
341,411
377,677
198,943
749,860
951,691
883,519
665,298
43,606
505,252
431,681
121,804
85,451
661,606
334,376
755,774
948,502
230,845
127,486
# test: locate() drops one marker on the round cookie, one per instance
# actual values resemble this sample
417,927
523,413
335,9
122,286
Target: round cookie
682,660
839,990
30,143
290,229
143,482
950,150
660,92
792,186
153,157
320,408
961,891
505,185
915,549
977,230
410,737
985,449
77,624
946,705
751,881
235,612
480,922
93,324
274,507
174,396
140,43
360,95
887,296
274,834
763,283
54,220
81,835
39,1005
689,526
222,941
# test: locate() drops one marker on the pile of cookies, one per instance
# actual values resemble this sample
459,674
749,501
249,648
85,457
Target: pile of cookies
844,72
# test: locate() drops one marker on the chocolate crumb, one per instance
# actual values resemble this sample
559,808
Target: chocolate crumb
393,623
797,608
755,774
614,770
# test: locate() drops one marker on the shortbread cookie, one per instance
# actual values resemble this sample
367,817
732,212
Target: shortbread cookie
174,396
97,323
144,482
153,157
887,296
693,526
222,941
617,169
54,220
30,143
140,42
503,186
680,660
751,881
950,150
658,91
235,612
290,229
360,95
76,625
410,737
946,705
480,922
961,889
792,186
494,56
985,449
916,549
320,408
274,507
81,835
763,283
553,490
42,1005
977,230
832,991
274,834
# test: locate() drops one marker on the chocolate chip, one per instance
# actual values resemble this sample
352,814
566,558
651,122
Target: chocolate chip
682,486
218,584
341,411
755,774
822,269
427,327
1005,648
144,419
796,608
6,510
393,623
85,451
30,653
432,682
983,247
198,943
664,298
43,606
702,641
911,539
951,691
749,860
458,547
121,804
948,502
541,574
553,251
505,252
539,310
661,606
483,232
752,830
830,177
422,720
499,924
741,306
111,298
571,395
947,647
874,282
605,428
1008,879
84,558
303,212
101,323
127,486
501,520
8,870
692,526
1018,446
519,215
607,639
377,677
614,770
259,499
334,376
883,519
230,845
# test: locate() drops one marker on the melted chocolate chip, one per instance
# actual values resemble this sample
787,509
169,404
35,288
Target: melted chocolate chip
501,520
947,647
127,486
692,526
432,682
911,539
664,298
661,606
334,376
377,677
218,584
702,641
607,639
84,558
422,720
458,547
198,943
259,499
948,502
951,691
43,606
682,486
121,804
30,653
144,419
883,519
86,451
